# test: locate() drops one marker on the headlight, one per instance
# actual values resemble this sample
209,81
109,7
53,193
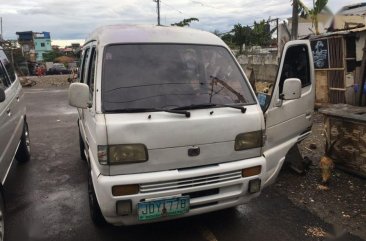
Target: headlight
121,154
248,140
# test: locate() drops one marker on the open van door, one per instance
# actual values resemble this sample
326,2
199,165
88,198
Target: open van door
289,112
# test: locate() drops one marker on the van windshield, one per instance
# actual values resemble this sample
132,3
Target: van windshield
168,76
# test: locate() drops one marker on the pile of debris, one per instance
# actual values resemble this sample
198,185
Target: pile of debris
45,81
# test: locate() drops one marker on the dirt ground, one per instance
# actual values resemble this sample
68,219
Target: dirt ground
343,204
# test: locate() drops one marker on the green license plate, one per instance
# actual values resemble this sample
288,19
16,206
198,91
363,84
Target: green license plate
163,208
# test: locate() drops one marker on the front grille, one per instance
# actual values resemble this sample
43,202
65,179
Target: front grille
189,182
203,193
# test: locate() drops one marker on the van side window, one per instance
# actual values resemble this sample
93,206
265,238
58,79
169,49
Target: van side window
296,65
3,78
91,72
8,66
83,70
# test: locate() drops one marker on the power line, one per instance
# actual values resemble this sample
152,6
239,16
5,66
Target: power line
203,4
171,7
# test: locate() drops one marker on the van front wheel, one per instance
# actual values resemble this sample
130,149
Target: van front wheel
95,213
82,147
24,150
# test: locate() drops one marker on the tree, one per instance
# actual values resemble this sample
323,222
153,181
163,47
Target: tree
185,22
319,6
299,8
261,33
217,32
228,39
51,56
242,35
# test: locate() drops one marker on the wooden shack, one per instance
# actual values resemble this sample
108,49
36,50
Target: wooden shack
345,127
338,66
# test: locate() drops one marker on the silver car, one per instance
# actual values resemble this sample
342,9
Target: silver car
14,133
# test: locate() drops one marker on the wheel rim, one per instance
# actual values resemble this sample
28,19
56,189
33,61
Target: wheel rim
27,139
1,225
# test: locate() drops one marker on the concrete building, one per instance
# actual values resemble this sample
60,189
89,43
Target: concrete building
350,17
42,44
25,40
34,45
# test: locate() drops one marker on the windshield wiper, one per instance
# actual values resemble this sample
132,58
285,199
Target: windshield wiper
137,110
215,79
209,105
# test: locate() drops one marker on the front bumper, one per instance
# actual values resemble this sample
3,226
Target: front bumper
210,189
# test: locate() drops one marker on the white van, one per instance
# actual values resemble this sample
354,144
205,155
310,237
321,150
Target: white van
14,133
171,128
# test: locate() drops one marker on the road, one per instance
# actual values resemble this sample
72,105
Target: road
47,197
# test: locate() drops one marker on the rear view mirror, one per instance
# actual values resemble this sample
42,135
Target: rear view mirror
79,95
2,95
291,89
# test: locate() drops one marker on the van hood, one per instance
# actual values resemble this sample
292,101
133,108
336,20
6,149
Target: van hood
168,136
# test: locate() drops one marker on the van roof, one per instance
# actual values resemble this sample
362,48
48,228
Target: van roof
113,34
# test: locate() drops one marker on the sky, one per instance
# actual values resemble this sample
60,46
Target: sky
72,20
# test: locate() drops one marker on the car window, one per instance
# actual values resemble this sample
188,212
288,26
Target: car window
83,71
171,76
8,66
3,78
296,65
91,72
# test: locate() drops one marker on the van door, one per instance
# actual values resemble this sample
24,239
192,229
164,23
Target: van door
7,126
86,116
17,106
288,114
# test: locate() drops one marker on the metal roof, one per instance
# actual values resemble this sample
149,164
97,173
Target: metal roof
353,10
343,32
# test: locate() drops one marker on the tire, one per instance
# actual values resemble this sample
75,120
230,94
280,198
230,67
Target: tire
95,213
2,217
24,149
81,147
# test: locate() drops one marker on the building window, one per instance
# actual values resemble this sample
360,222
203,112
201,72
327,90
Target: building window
42,44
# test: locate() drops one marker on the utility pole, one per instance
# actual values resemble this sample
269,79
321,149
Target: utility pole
1,31
295,19
158,9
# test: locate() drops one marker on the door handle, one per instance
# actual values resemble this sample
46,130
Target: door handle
8,112
17,98
308,115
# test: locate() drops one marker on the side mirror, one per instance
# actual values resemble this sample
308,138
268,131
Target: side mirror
79,95
2,95
291,89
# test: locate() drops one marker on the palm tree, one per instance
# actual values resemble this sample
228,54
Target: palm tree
299,8
319,5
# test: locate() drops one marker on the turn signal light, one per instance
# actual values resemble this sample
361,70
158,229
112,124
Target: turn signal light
124,190
251,171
